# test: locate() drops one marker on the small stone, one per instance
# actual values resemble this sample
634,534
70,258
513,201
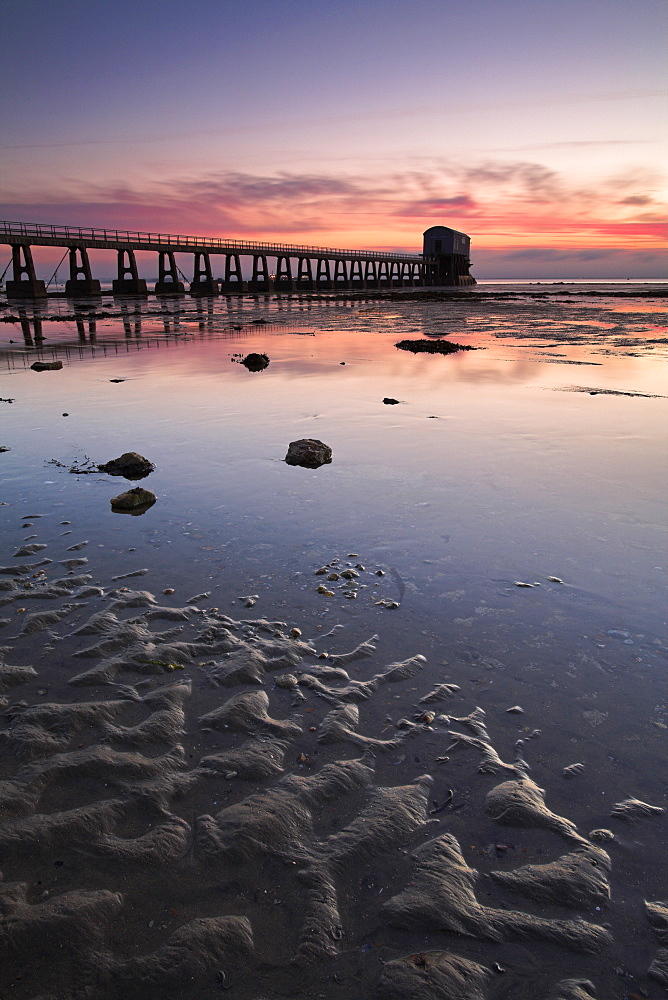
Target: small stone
601,835
168,590
390,402
130,465
255,362
426,717
46,366
520,583
134,499
516,710
295,633
286,681
323,590
309,453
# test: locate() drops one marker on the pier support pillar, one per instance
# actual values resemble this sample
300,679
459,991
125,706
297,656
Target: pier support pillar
81,283
395,274
168,282
304,273
260,282
25,285
323,274
356,277
234,282
284,280
128,281
203,282
384,279
340,274
370,273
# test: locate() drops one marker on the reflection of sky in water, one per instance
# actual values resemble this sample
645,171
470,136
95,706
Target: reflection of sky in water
483,469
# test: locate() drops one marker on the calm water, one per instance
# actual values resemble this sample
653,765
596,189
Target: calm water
539,454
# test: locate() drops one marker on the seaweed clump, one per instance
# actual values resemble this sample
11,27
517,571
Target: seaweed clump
432,346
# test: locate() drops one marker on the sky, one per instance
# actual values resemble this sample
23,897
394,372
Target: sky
538,127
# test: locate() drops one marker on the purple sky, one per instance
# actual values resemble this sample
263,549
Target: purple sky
535,127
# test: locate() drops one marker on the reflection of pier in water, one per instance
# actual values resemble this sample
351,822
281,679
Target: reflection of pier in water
142,329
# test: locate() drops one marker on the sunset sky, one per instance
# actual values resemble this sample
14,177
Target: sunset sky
536,126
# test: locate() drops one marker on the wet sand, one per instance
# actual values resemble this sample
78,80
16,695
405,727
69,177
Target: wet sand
368,792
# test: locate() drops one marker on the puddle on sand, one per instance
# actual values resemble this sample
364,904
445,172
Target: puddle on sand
195,799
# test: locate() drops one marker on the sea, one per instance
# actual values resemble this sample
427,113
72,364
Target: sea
496,509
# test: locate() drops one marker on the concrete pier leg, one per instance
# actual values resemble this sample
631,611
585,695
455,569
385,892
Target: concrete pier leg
203,282
25,285
356,277
234,282
81,283
260,282
395,274
304,273
323,274
384,279
284,280
168,282
340,274
370,274
128,281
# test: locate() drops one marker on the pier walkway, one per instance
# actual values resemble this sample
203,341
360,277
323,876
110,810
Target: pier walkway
293,267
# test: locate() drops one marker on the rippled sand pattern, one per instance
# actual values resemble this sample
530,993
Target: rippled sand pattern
153,848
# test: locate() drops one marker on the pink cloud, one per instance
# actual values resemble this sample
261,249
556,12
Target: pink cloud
497,202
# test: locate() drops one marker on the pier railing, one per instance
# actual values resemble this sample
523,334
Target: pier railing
116,239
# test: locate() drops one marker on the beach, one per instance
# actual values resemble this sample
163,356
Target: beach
363,729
